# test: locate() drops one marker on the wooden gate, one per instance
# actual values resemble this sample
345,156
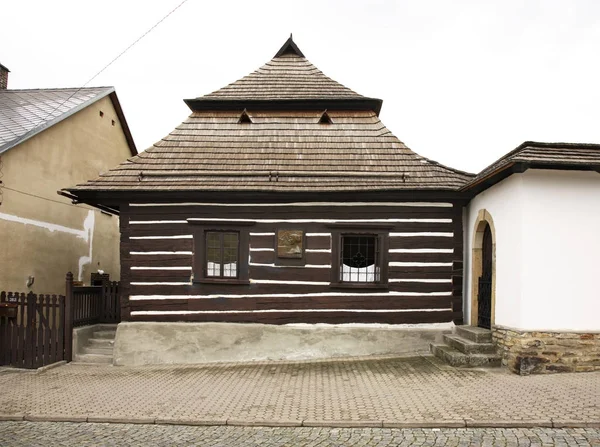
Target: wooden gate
37,330
32,329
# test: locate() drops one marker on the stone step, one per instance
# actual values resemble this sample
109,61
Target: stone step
474,333
467,346
98,350
101,343
93,358
456,358
110,334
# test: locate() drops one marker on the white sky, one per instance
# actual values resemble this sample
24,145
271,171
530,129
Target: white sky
463,81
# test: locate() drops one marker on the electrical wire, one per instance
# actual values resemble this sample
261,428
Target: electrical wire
112,61
49,200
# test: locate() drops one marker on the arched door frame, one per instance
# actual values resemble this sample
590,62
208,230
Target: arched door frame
483,218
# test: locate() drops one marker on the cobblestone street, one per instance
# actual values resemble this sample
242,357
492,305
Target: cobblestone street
45,434
384,392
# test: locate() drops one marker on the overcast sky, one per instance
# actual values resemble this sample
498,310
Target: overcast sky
463,81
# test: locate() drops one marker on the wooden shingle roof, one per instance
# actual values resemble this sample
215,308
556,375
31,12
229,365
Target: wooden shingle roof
533,154
282,143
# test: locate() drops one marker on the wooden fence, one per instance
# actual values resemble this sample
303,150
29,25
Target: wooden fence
37,329
32,330
96,304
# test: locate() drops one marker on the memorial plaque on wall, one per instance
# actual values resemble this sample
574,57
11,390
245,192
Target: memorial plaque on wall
289,243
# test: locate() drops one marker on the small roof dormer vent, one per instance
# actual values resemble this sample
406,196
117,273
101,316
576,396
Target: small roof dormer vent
325,118
245,118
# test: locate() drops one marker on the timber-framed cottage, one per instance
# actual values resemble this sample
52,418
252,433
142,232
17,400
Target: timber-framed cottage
283,198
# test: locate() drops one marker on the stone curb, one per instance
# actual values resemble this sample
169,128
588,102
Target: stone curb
470,423
42,369
54,418
457,423
343,424
174,421
575,424
264,423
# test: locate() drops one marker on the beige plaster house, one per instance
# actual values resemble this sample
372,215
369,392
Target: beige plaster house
50,138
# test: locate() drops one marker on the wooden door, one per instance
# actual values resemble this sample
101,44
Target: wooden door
484,301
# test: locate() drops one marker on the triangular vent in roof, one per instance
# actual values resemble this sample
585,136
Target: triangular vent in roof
325,118
245,118
289,47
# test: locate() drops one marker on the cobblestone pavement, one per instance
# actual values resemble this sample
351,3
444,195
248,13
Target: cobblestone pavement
73,434
384,392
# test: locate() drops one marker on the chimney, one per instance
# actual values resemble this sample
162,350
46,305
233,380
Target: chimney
3,77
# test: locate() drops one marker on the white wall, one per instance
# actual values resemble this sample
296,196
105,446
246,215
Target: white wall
547,249
561,219
503,201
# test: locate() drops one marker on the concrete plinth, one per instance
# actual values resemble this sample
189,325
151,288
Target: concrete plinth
143,343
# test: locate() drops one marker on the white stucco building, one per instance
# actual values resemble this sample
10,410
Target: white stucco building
541,205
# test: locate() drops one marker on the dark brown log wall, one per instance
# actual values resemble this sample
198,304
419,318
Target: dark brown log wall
157,259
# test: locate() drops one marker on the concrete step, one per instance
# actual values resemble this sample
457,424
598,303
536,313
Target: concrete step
101,343
474,333
456,358
105,333
93,358
467,346
97,350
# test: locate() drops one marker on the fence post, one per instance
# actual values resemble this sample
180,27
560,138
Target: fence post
30,331
69,318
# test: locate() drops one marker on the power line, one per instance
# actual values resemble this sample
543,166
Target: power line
112,61
46,198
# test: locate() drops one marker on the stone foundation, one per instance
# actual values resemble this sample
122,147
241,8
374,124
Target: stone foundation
538,352
143,343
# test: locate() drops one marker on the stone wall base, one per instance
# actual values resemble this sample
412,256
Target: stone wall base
143,343
537,352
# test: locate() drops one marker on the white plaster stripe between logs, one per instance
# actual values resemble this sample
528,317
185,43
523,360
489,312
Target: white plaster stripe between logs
262,249
210,219
266,311
160,253
421,234
317,234
420,264
348,204
422,280
186,236
285,295
421,250
161,268
318,250
308,266
262,234
275,281
158,283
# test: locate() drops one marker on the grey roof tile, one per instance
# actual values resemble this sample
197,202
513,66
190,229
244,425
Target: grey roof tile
24,113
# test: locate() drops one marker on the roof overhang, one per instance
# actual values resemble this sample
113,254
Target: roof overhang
209,104
113,200
508,169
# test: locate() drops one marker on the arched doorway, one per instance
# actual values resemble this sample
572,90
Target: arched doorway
483,271
484,298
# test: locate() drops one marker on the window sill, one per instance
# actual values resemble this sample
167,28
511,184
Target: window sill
232,281
358,285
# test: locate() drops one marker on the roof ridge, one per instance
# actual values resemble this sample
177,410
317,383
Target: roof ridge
54,89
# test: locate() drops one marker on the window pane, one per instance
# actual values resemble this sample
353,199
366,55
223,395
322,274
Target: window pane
213,254
230,255
359,255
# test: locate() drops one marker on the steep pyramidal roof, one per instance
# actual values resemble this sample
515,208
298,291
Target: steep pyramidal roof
289,75
281,144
